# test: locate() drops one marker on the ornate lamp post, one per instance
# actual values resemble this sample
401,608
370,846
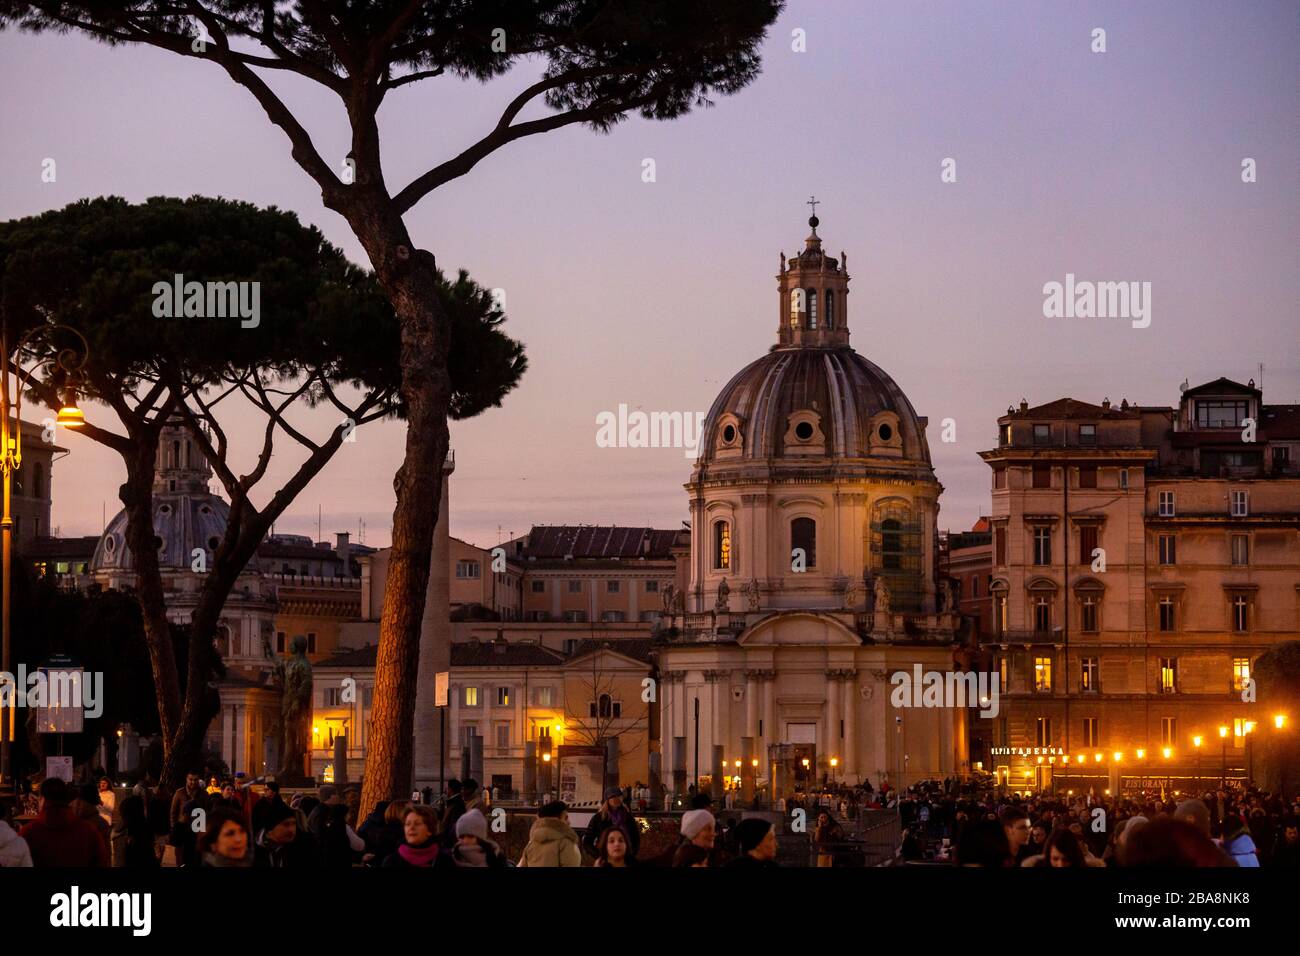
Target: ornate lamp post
70,362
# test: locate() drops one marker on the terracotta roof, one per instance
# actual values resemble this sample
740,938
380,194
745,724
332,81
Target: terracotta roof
272,549
637,648
596,541
503,654
1223,384
1073,408
358,657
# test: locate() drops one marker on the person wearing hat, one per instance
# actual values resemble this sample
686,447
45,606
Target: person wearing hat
613,813
473,848
282,845
466,798
551,841
699,830
757,840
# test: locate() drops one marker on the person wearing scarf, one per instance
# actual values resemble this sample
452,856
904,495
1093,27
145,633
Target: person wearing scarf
421,848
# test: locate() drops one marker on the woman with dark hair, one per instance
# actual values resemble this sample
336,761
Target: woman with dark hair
225,842
613,848
1062,849
420,847
137,835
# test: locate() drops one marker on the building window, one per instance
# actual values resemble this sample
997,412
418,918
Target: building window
721,546
1168,731
611,587
974,585
544,696
830,309
1042,674
570,645
1042,613
575,585
999,614
999,478
1043,732
1087,435
503,696
1241,549
1042,546
1240,673
333,696
1123,479
1166,504
812,308
575,617
1240,504
1240,613
1087,543
1042,434
503,736
471,696
1167,619
311,642
1002,672
1004,435
652,587
1042,476
1090,677
539,587
605,706
467,735
1168,675
1220,414
1088,614
279,642
1090,735
891,544
1000,546
1087,476
803,535
1281,458
1168,549
612,617
467,569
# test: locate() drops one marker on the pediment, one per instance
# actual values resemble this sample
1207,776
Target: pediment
800,629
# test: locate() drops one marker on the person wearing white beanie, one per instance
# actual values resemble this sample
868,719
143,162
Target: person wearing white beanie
473,848
698,827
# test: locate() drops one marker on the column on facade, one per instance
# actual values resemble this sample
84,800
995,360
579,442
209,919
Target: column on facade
833,743
850,758
723,691
666,728
751,705
770,735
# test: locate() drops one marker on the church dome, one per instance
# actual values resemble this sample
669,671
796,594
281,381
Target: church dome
182,521
801,401
186,515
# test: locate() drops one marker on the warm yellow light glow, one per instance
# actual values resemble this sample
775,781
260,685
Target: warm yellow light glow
559,728
546,758
1223,732
315,730
1119,755
1167,752
1141,754
754,761
1279,721
737,763
1196,741
1040,759
1108,791
1081,758
70,415
805,761
1097,757
835,761
1250,726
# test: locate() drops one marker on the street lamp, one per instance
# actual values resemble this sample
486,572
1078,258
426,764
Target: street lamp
69,363
1196,743
1223,756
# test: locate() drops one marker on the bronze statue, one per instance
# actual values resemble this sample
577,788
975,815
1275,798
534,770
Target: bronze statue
295,711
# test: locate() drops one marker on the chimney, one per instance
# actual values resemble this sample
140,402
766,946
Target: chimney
343,548
1105,403
1024,405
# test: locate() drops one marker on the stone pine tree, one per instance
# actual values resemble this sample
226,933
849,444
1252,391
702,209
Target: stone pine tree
325,335
599,61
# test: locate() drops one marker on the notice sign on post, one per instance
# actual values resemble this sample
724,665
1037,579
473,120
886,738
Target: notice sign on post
59,768
441,688
61,712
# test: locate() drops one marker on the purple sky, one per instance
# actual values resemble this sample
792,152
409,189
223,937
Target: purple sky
1117,166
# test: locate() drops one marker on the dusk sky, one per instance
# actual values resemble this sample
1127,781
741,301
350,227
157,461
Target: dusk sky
1116,166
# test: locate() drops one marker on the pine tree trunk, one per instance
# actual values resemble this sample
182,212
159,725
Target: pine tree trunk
408,276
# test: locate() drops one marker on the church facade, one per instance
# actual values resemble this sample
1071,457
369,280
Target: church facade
813,570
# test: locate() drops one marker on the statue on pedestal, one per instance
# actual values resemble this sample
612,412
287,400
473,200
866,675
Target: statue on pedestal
723,603
295,712
883,611
750,591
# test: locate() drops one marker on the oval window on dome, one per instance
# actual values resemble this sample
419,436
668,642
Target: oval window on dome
803,431
213,543
158,543
110,545
729,434
164,509
885,432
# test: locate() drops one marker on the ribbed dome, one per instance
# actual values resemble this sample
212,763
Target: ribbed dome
857,410
182,520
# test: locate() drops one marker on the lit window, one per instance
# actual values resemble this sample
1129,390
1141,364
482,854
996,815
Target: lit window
1240,673
721,546
1089,675
1168,731
1042,673
503,696
471,696
1168,675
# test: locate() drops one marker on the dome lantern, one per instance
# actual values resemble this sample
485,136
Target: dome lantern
813,291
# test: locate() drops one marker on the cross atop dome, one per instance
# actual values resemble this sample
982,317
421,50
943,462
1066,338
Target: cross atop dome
813,290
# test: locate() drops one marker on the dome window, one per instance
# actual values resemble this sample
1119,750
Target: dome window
159,544
110,545
803,538
729,433
213,543
830,309
722,545
164,509
804,431
885,432
812,308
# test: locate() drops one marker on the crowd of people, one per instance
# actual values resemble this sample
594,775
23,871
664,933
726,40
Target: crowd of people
1227,827
229,824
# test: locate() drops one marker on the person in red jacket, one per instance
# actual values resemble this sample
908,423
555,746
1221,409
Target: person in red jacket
58,837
